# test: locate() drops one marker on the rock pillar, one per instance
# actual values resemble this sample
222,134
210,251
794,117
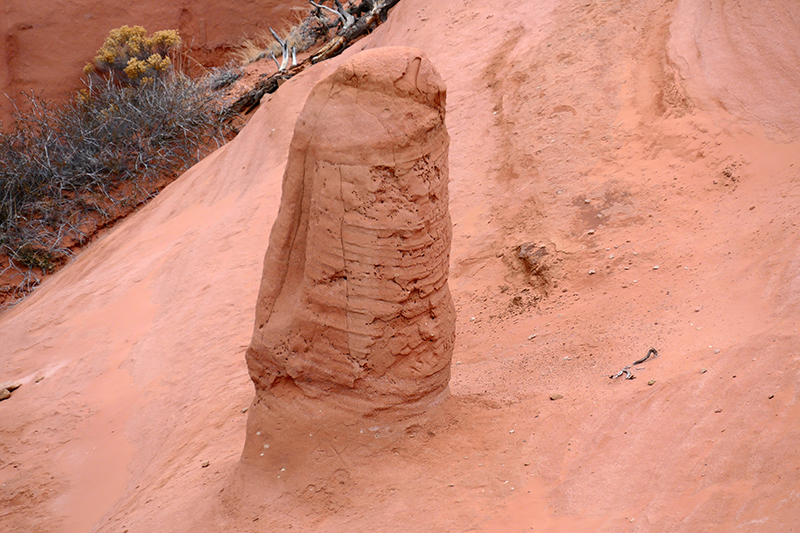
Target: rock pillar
354,314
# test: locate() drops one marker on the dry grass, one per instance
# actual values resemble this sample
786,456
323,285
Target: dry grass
302,31
248,51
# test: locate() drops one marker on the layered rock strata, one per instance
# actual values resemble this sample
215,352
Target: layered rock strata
354,310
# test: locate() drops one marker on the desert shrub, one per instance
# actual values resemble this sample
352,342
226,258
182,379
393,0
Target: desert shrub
221,77
130,56
67,170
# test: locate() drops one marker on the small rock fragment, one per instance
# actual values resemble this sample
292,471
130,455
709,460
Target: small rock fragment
205,464
526,464
11,386
534,257
592,271
771,396
40,378
244,409
718,410
4,394
703,371
651,382
556,396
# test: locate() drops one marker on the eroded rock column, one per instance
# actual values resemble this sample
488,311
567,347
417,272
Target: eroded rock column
354,313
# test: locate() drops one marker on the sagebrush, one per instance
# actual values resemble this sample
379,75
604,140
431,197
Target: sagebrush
130,56
67,170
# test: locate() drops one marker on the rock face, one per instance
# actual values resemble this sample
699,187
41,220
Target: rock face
354,309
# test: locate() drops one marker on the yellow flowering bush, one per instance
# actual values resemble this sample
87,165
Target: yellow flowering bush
128,54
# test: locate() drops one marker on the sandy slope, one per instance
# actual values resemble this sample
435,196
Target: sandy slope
623,136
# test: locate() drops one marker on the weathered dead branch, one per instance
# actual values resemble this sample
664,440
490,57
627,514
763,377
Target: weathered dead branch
356,22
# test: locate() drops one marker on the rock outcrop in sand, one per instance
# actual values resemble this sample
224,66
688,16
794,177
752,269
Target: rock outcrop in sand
354,309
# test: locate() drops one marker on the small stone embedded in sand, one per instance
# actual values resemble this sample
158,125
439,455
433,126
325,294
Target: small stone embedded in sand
556,396
205,464
354,311
11,386
4,394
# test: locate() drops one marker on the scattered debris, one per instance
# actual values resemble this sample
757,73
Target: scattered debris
626,370
532,256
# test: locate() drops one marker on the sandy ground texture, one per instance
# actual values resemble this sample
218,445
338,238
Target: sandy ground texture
649,151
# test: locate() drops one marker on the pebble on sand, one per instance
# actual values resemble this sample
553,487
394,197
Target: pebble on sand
11,386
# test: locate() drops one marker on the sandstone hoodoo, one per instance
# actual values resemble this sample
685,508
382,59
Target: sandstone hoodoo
354,316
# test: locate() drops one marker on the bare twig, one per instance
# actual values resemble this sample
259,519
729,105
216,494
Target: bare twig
626,370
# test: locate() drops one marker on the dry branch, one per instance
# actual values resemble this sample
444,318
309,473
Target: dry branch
355,23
